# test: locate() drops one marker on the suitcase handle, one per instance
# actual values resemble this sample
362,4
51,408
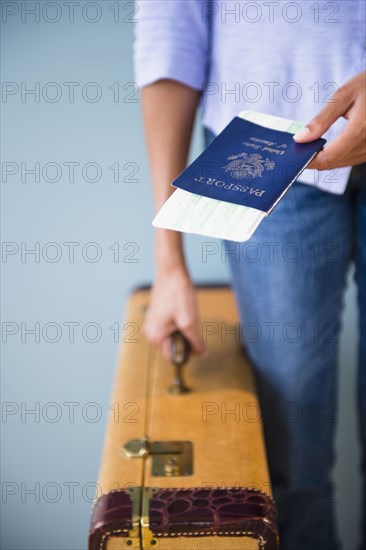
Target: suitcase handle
180,350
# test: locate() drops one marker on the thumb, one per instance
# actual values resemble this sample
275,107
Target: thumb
322,121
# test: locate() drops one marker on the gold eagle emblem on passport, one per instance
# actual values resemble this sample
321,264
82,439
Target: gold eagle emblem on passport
248,166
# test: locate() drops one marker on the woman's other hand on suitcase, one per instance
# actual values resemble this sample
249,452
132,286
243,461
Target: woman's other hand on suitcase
173,306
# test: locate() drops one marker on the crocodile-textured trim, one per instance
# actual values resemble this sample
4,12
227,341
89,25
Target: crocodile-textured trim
204,512
190,513
112,515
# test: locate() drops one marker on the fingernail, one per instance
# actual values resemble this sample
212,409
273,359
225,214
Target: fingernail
302,134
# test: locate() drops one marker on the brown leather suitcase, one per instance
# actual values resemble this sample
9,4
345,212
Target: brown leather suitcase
184,470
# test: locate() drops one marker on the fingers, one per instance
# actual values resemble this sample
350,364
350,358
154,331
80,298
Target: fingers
336,108
348,148
157,332
344,150
191,332
169,311
165,349
159,336
322,163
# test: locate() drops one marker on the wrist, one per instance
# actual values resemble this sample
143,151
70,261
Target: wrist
168,243
171,266
169,252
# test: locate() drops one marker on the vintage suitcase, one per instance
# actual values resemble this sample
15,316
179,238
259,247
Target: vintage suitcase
184,470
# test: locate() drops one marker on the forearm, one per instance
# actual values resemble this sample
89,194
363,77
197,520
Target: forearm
168,109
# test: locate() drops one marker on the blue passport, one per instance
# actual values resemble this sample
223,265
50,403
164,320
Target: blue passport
248,164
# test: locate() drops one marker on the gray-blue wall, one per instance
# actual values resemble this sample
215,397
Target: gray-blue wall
50,457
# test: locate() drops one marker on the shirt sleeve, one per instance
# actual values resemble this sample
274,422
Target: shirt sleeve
171,41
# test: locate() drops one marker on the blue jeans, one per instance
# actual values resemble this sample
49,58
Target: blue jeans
289,281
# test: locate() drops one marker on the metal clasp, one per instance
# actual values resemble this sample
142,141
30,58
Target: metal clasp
169,458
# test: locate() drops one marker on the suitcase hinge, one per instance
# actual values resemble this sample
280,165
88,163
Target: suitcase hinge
134,536
148,538
140,535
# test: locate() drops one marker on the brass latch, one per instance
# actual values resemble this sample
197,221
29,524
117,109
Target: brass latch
169,458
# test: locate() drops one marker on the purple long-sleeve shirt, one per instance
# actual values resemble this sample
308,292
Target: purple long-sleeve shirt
277,57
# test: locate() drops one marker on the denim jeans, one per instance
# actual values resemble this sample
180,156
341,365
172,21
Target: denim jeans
289,281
